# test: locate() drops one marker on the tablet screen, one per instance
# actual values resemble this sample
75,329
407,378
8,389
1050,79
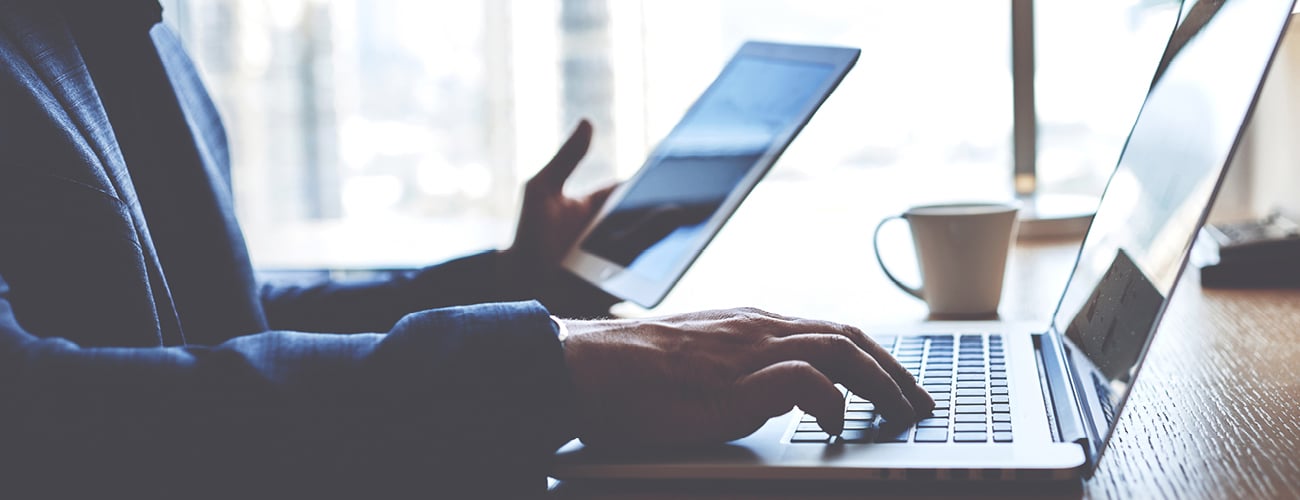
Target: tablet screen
661,220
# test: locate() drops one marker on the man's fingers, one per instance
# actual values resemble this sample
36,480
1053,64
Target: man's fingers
774,389
916,395
921,401
598,197
842,360
553,175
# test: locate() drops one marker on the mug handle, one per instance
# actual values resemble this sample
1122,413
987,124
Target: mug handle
875,243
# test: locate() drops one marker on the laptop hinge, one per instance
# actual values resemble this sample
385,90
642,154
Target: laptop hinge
1058,392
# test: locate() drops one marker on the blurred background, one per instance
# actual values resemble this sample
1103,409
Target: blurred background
394,133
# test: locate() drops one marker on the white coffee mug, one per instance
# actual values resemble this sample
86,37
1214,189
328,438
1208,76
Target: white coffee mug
962,249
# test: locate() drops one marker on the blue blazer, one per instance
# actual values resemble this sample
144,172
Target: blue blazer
138,357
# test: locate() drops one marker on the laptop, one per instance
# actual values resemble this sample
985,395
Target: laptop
1015,403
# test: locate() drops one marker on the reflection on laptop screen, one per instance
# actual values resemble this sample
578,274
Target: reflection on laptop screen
1157,197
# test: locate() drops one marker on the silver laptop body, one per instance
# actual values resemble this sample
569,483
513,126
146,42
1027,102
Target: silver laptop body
1064,387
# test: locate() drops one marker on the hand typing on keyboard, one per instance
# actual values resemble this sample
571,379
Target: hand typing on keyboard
715,376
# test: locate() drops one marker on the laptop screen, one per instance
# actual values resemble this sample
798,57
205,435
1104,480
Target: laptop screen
1160,192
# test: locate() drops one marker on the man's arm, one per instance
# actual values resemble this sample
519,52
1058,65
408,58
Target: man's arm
446,398
369,306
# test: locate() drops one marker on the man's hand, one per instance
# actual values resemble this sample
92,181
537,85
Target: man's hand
549,223
715,376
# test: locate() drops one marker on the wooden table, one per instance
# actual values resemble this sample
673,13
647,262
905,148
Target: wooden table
1215,412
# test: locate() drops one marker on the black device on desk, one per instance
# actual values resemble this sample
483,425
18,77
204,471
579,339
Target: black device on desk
1258,253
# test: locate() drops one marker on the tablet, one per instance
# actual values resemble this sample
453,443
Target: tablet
654,226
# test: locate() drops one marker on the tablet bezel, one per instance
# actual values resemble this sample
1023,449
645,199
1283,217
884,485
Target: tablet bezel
649,291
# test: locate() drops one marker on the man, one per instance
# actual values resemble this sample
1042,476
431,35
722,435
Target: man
139,358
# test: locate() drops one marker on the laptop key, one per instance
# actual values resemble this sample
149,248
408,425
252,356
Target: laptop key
1002,427
1001,417
998,383
970,437
970,418
970,377
1001,408
1003,399
1002,437
939,413
942,405
970,384
941,396
859,415
998,391
970,392
933,422
859,424
933,388
935,381
969,427
971,409
810,437
856,436
969,400
892,434
932,435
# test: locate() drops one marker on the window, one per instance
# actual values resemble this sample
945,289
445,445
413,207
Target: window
398,132
1094,66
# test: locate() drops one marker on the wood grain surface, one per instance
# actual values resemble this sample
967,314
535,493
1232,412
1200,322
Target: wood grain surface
1215,412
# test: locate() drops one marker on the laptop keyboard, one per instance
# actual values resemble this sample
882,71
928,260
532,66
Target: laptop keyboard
966,374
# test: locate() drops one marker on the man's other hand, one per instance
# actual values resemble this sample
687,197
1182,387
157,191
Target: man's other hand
715,376
549,223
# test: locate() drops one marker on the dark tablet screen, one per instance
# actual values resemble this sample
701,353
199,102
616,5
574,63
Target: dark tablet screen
662,218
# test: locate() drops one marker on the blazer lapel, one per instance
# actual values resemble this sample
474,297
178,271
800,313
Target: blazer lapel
58,71
41,34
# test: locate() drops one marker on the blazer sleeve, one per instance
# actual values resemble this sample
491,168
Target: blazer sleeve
368,306
375,305
467,399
